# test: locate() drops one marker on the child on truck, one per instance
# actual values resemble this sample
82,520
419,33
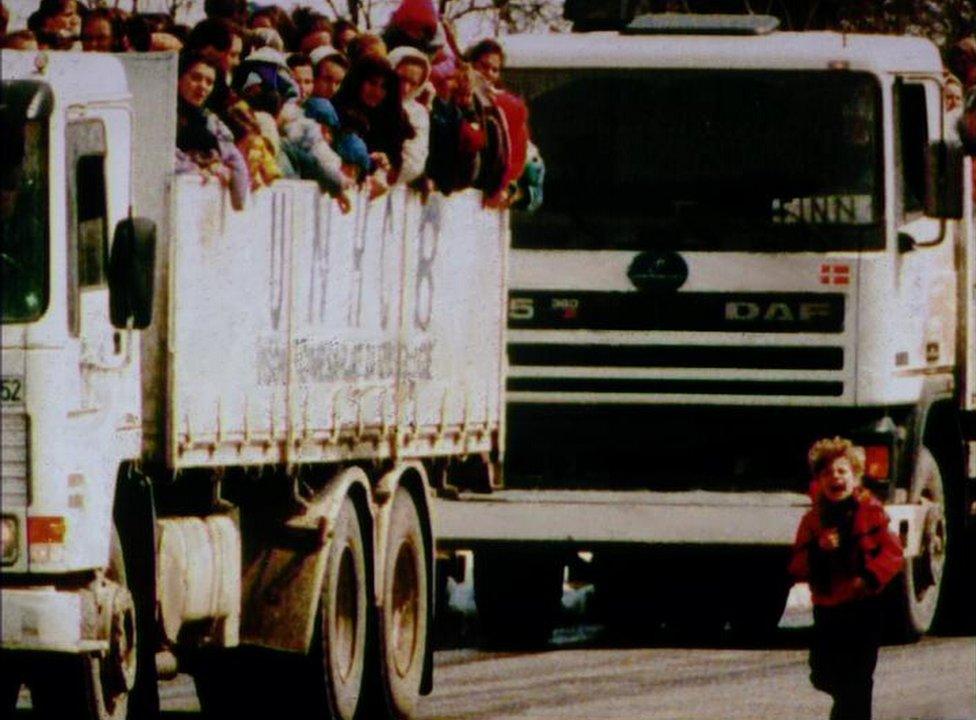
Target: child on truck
847,554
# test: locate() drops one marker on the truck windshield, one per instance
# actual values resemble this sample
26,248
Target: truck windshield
704,160
23,231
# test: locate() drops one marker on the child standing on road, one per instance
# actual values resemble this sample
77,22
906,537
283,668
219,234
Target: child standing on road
845,551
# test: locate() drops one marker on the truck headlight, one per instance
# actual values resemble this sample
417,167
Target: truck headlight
9,539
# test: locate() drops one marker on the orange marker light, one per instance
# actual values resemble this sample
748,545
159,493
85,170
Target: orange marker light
45,530
877,462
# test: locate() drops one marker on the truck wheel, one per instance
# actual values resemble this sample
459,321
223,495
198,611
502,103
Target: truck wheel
403,613
519,596
916,592
88,686
344,615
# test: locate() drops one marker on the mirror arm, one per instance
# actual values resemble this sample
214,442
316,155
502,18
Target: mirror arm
943,225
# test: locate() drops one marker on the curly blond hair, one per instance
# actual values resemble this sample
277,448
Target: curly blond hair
823,452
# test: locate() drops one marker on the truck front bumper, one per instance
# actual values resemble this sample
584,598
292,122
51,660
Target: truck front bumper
45,619
584,518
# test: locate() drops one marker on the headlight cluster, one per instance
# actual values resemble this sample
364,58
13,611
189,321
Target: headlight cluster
9,539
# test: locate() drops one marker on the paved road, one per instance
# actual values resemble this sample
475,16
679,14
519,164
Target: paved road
933,680
581,677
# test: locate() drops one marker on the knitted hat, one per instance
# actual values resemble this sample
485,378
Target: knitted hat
416,18
267,68
322,112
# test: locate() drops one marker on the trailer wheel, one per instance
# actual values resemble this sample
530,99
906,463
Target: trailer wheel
403,612
519,596
344,614
916,592
89,687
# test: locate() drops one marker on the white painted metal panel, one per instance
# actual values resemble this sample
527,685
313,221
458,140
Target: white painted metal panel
300,334
589,517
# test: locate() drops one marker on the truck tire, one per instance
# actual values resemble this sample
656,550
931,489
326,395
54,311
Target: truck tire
403,625
518,593
344,615
327,681
915,596
88,687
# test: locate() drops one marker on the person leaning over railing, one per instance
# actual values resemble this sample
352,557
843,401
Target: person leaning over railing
413,69
204,145
369,98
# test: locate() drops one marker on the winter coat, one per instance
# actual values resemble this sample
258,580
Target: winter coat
306,134
868,557
448,165
516,116
202,140
385,127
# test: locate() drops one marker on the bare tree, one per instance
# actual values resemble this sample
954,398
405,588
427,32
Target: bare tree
943,21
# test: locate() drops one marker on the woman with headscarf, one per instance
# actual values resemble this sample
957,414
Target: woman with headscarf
203,143
413,69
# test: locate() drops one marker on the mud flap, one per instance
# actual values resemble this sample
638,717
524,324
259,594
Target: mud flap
284,565
135,519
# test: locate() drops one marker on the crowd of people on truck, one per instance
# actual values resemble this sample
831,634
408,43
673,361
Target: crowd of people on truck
265,94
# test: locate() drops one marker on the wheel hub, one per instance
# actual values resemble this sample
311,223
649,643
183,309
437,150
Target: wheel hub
934,542
119,668
404,610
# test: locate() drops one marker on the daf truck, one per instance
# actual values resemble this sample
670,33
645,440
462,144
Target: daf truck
751,239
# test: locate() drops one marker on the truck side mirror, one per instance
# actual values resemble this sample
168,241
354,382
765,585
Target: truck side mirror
944,180
131,273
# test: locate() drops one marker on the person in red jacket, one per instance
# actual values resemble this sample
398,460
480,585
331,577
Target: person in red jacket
847,554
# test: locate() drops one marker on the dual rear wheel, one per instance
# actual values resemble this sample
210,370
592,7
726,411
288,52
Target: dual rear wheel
362,663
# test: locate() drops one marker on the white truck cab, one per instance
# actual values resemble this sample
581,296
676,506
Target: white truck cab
750,240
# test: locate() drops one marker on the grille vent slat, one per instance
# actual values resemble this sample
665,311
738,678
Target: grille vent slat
14,460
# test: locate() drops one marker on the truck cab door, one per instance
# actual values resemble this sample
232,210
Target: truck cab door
97,151
925,279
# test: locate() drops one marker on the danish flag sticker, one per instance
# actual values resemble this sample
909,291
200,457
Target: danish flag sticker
831,274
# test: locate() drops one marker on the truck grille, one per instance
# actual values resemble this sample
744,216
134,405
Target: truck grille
14,461
536,364
686,356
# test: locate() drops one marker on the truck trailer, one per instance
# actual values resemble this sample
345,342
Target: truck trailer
222,429
751,239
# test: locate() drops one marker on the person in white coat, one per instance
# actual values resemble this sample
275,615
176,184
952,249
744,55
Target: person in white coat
413,69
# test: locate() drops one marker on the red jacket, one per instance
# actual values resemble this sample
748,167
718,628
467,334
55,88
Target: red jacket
868,558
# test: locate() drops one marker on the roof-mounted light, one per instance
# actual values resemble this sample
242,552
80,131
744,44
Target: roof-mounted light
707,24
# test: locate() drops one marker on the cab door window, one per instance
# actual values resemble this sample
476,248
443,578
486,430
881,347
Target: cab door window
911,141
87,213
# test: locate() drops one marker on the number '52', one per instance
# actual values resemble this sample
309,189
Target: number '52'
10,390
